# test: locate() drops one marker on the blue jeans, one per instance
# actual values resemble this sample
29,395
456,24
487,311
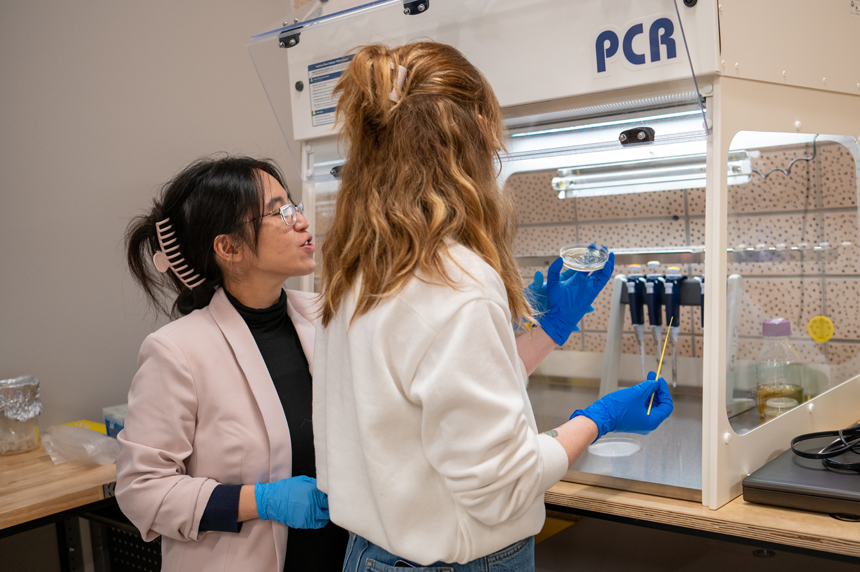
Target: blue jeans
364,556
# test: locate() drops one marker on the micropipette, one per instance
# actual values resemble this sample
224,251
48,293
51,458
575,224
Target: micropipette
654,299
673,312
636,299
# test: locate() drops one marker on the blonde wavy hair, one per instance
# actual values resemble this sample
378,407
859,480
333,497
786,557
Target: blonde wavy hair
418,171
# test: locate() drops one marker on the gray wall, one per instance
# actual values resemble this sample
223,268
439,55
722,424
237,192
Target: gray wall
100,103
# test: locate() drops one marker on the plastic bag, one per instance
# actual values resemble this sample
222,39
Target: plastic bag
66,443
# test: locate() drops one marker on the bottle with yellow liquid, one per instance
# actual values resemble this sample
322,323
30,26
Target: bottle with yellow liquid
778,367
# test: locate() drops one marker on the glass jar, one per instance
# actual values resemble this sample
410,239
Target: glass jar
779,372
19,407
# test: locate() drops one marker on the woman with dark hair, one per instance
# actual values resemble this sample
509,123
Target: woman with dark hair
426,442
217,451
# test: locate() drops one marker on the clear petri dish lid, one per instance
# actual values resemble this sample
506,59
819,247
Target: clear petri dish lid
779,405
615,447
583,258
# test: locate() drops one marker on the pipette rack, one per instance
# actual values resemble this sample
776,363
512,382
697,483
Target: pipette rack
691,295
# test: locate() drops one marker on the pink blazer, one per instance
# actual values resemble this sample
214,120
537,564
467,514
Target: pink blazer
203,411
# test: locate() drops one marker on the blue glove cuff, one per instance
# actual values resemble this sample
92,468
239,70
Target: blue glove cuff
597,413
558,333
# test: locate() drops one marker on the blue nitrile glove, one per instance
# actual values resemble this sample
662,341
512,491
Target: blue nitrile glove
296,502
536,291
569,299
626,410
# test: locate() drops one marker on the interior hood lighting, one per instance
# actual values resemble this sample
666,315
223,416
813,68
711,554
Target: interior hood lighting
614,123
645,175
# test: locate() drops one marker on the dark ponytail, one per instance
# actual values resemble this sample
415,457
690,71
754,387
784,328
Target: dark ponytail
208,198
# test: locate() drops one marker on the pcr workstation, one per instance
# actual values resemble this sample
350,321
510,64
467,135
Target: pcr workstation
712,147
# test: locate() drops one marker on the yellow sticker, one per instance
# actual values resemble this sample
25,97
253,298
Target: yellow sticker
820,328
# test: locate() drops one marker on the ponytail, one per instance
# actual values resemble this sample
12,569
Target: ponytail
420,160
141,239
372,74
141,246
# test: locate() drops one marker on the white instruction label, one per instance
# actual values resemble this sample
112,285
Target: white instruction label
322,78
854,6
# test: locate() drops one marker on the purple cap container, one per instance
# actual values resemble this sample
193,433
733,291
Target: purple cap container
776,328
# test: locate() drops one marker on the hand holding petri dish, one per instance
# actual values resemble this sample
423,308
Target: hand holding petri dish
584,258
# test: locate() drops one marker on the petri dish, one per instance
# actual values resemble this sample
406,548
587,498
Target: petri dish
776,406
615,447
583,258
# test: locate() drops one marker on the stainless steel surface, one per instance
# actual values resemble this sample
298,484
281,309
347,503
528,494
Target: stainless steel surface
670,462
746,421
656,489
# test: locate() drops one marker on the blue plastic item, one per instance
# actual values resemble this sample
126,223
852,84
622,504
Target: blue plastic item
115,419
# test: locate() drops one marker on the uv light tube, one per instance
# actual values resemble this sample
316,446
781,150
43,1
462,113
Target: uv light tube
645,175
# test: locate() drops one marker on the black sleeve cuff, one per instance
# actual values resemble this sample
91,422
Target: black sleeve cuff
222,510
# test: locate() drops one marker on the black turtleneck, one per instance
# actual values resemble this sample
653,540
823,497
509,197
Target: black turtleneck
279,344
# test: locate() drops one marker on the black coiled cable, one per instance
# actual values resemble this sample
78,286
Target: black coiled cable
848,440
787,172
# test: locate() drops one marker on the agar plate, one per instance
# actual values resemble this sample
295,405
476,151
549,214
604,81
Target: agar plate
583,259
615,447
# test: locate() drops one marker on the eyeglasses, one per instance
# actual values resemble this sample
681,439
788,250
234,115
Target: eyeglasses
287,212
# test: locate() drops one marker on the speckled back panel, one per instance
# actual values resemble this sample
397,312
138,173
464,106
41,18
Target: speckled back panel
816,203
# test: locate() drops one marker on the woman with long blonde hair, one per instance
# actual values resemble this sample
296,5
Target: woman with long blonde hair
426,442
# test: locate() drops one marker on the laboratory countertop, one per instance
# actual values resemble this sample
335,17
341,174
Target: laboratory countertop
32,487
807,530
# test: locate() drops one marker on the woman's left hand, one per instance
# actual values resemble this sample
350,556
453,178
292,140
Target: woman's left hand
295,502
536,291
569,298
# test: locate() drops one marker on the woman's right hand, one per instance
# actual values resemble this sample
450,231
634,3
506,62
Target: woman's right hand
630,410
295,502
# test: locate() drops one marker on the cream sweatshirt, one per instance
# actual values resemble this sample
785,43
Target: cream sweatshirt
426,442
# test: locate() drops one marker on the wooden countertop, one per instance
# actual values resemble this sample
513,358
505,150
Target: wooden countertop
32,487
738,518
